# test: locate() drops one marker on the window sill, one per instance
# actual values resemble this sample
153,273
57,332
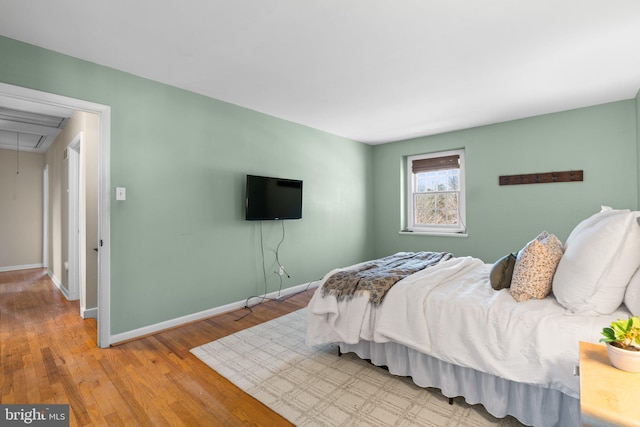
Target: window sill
432,233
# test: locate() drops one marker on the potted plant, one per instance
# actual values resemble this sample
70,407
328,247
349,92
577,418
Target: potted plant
623,343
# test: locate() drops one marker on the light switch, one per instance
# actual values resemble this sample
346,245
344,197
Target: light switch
121,193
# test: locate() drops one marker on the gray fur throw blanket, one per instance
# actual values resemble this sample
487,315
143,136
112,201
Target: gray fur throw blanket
377,277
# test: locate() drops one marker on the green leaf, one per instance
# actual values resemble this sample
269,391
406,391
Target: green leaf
609,335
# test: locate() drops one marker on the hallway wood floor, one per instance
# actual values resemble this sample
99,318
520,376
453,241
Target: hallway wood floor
48,355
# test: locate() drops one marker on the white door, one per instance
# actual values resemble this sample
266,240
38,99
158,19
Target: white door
45,217
75,229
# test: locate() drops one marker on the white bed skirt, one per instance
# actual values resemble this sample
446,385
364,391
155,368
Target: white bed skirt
530,404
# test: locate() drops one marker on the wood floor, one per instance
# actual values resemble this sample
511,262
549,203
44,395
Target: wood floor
48,355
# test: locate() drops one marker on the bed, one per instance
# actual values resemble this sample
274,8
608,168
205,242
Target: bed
513,349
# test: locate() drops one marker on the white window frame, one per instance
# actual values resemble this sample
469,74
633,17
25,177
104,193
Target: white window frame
456,229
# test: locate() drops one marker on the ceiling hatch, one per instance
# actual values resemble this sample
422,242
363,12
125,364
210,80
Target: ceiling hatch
28,131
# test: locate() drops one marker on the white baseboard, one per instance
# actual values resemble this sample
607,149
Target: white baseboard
20,267
179,321
58,284
89,313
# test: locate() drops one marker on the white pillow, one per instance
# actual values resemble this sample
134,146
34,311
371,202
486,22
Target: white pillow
601,254
605,211
534,268
628,259
632,296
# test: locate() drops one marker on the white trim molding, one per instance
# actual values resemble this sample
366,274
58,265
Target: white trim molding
20,267
58,284
89,313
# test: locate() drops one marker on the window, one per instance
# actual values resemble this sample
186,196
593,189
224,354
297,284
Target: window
435,192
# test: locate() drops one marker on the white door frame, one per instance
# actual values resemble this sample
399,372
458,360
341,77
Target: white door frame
75,273
104,190
45,217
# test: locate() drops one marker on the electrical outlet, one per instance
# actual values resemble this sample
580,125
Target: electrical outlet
280,270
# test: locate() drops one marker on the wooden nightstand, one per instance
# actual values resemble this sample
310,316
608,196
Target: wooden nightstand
608,396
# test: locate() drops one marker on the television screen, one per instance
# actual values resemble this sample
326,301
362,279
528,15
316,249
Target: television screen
273,198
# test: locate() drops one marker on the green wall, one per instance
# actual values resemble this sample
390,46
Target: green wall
179,243
600,140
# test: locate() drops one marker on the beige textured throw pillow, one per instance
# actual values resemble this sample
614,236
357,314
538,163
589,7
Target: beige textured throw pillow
535,266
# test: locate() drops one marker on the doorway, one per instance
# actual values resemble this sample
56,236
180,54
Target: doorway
32,97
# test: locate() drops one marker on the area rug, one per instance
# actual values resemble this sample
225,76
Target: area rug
316,387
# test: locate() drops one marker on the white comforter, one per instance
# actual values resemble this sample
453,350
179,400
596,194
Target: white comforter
450,311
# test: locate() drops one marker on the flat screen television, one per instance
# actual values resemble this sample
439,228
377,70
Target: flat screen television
269,198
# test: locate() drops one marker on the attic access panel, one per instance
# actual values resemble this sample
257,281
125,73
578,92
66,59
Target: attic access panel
28,131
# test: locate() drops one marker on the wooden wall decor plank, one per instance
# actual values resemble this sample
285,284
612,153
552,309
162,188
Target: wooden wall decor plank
542,178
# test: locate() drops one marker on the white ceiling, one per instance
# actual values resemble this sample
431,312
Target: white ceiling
370,70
